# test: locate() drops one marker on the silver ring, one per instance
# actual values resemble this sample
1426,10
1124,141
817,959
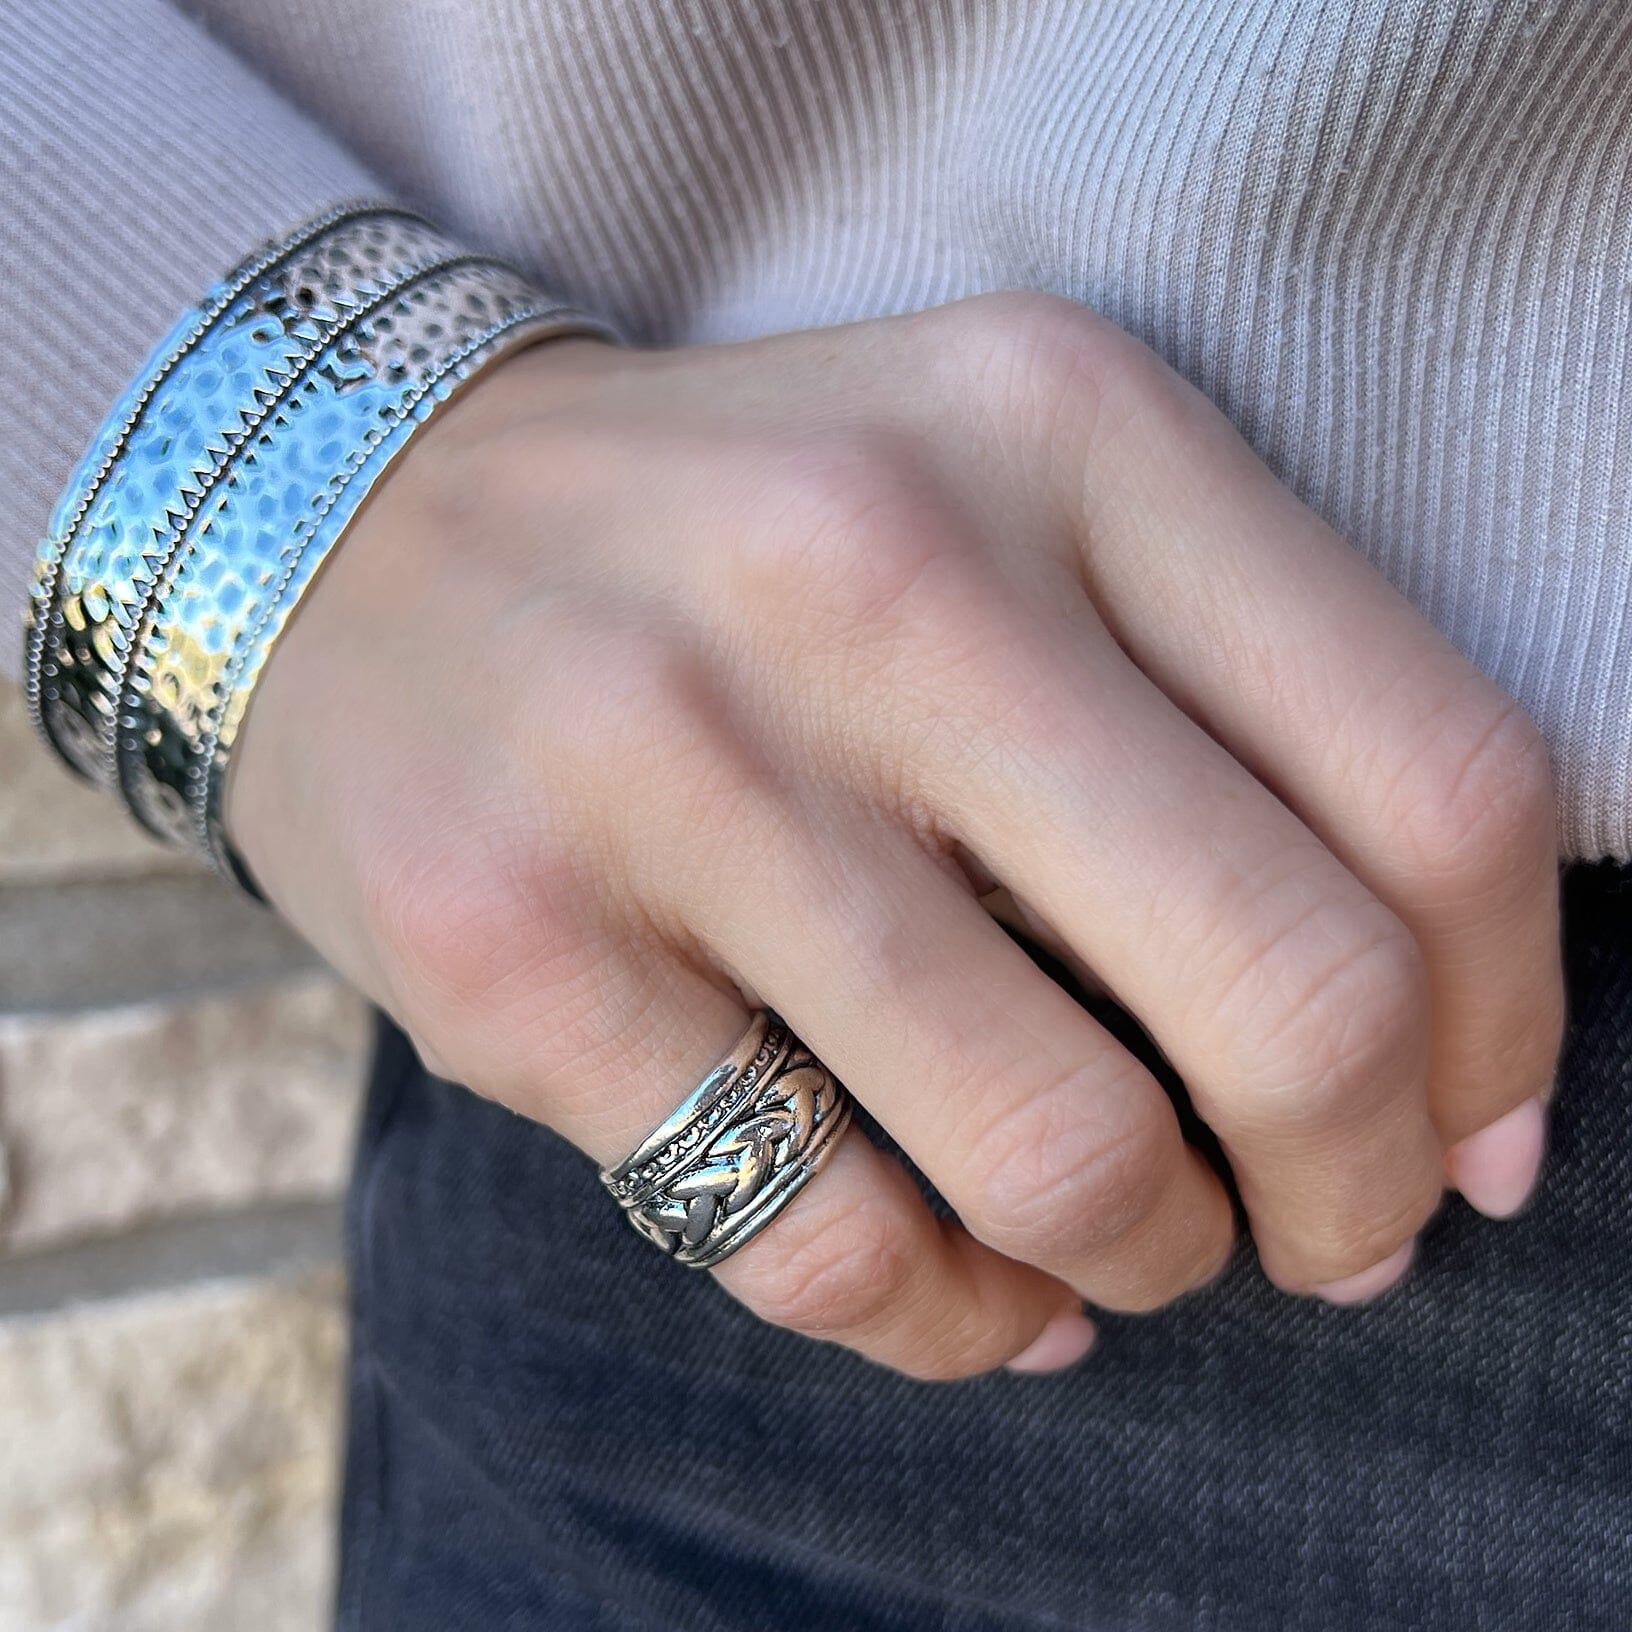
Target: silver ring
744,1143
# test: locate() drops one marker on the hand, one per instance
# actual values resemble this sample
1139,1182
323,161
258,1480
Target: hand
649,683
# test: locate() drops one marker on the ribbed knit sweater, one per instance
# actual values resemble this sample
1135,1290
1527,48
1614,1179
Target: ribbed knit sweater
1392,239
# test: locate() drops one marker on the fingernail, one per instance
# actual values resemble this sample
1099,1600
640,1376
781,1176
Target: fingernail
1496,1168
1061,1343
1369,1282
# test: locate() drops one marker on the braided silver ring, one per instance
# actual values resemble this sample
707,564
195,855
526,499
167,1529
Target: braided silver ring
743,1144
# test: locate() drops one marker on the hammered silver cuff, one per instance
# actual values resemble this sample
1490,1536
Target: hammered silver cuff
220,482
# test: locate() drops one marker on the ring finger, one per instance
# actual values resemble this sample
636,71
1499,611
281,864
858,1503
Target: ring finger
625,1030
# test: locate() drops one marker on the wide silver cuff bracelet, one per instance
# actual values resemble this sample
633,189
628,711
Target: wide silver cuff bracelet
220,482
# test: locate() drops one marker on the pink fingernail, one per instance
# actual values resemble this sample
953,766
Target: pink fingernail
1369,1283
1061,1343
1497,1167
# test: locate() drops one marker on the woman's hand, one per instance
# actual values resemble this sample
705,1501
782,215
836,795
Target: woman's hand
649,680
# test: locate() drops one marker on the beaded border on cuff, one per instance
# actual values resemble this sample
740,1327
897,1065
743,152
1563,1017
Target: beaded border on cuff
221,481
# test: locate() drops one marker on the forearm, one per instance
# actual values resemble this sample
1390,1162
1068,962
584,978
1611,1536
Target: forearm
134,171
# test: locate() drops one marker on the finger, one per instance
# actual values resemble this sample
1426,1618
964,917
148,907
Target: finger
602,1041
1025,920
1288,997
1051,1142
1429,783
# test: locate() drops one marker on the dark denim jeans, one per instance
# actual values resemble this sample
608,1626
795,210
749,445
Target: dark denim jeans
553,1427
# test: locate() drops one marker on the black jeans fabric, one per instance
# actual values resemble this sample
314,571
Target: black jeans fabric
553,1427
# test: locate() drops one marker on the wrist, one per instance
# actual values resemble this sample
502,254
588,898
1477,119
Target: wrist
440,547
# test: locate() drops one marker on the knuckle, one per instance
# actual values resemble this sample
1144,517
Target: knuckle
1481,806
958,1355
1056,365
1536,1032
1335,1250
1027,319
1060,1180
447,909
950,1356
949,1365
482,941
829,1277
1349,1031
850,525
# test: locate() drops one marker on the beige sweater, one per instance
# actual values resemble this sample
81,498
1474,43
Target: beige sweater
1389,237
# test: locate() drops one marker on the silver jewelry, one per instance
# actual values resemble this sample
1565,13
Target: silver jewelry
744,1143
220,484
112,441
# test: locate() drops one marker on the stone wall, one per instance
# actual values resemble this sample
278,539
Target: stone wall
178,1083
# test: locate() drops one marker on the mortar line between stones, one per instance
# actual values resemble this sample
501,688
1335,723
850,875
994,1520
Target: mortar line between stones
269,1241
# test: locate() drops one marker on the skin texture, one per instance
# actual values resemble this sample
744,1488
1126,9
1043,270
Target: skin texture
650,685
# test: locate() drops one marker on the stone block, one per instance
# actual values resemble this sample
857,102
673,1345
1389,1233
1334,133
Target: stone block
52,824
119,1117
86,945
168,1462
